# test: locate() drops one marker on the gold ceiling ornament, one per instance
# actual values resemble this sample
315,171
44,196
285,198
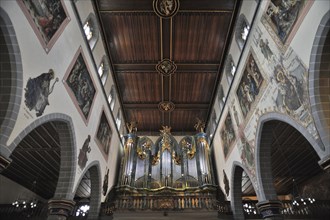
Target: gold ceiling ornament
200,125
166,106
132,127
166,8
166,67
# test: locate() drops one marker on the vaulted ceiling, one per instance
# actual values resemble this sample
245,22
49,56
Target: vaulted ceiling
167,64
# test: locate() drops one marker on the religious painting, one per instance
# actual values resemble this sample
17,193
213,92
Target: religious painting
105,183
227,135
103,135
290,91
247,153
37,91
250,85
82,158
282,18
48,19
80,85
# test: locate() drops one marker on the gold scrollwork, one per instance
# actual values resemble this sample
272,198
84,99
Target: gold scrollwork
155,159
176,158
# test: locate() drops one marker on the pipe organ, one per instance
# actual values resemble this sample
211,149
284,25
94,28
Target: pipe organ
166,171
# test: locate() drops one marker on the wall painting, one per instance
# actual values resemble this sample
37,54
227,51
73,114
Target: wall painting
227,135
37,91
103,135
282,19
250,85
47,18
80,85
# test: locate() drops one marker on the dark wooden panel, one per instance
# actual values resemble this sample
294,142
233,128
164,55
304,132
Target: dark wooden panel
140,87
184,120
193,87
200,37
207,5
124,5
132,37
148,120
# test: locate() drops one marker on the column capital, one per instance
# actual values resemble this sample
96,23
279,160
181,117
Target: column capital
270,209
325,163
4,163
60,207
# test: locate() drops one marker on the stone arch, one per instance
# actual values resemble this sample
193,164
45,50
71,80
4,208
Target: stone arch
263,153
67,137
95,197
319,80
11,80
236,189
242,24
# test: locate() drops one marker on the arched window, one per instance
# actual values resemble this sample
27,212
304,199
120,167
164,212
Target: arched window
91,30
112,97
118,119
103,70
230,69
242,31
221,97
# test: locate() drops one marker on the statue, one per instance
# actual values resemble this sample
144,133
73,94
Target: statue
132,127
200,125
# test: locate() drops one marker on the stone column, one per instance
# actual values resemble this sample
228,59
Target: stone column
4,163
59,209
270,209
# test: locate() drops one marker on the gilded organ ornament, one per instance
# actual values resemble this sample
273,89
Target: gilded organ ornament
132,127
166,8
200,125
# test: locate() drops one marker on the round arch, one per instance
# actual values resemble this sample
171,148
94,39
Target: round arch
95,196
11,76
319,80
67,139
236,189
263,164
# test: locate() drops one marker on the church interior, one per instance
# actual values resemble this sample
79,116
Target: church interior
164,109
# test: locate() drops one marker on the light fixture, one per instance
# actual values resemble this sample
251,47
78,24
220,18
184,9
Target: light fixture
297,199
25,203
82,210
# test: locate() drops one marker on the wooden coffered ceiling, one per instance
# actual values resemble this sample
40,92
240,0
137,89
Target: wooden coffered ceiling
195,39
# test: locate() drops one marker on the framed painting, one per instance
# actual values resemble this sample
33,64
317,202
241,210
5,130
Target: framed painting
250,85
103,135
227,135
282,18
80,85
48,19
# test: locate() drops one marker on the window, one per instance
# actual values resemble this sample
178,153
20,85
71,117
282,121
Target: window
230,69
118,119
112,98
103,70
242,31
221,97
91,30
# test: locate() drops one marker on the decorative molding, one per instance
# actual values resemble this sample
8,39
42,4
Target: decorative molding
166,8
166,106
166,67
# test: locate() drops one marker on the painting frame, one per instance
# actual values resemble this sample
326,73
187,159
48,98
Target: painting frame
104,149
247,69
268,19
87,76
227,147
46,20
